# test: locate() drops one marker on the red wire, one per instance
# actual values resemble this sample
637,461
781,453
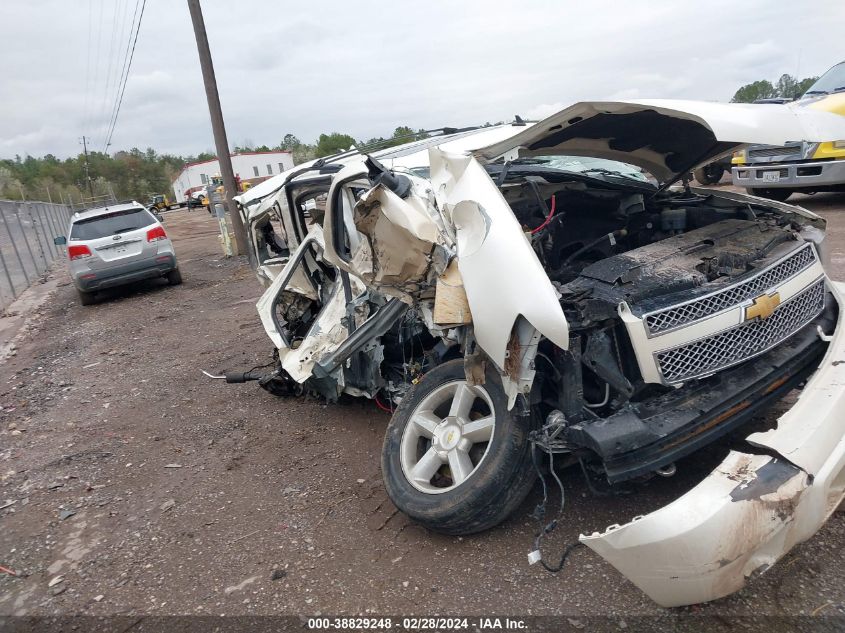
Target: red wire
382,407
548,219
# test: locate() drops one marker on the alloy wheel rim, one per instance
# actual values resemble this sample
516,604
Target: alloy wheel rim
447,437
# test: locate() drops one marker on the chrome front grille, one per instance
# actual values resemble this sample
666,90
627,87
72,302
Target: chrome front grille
737,344
789,151
683,314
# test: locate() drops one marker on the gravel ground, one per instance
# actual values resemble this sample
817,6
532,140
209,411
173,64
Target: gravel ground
147,489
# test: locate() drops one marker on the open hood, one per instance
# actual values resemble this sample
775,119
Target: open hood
667,138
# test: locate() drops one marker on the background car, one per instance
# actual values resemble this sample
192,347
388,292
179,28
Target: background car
116,245
778,171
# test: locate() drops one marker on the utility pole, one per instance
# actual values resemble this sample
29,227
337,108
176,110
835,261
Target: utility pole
220,141
87,174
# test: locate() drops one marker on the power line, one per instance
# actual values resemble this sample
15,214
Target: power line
111,59
97,56
126,28
88,67
125,79
122,70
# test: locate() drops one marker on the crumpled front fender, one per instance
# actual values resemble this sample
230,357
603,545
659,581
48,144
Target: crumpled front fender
753,508
502,276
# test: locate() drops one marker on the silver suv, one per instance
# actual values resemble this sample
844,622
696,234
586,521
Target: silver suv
116,245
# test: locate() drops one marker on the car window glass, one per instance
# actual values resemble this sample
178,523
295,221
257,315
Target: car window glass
832,81
110,224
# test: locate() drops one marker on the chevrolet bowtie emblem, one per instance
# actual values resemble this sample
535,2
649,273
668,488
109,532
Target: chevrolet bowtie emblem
763,307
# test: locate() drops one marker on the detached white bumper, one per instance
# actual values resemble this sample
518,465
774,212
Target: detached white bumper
753,508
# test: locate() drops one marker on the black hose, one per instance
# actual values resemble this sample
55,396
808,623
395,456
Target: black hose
598,240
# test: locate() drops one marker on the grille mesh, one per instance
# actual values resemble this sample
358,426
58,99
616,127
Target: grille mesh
742,342
684,314
791,150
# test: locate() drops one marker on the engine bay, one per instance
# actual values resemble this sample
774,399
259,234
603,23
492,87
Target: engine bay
602,245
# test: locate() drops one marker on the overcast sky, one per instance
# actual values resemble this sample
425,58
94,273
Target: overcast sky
364,68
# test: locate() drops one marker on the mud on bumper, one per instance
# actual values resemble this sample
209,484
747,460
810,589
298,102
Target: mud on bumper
753,508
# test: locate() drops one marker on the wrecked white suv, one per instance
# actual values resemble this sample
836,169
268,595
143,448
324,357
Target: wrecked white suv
505,300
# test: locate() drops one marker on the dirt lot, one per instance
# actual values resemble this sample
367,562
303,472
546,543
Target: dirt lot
153,490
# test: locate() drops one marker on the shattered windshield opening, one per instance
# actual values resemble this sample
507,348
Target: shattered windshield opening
609,171
592,166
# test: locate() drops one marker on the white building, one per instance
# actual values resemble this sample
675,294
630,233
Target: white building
252,167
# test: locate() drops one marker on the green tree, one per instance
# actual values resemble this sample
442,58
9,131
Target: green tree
804,85
402,134
376,140
333,143
136,173
289,142
301,152
749,93
403,131
787,87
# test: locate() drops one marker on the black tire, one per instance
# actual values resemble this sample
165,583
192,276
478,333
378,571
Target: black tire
86,298
174,277
710,174
777,194
500,481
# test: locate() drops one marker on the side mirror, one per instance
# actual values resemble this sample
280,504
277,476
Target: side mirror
60,241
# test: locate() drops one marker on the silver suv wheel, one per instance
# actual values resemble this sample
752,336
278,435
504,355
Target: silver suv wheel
448,437
455,458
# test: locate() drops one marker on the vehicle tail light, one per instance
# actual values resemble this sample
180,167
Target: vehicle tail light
78,252
156,234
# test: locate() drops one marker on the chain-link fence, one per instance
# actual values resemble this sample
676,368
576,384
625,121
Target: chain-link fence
27,251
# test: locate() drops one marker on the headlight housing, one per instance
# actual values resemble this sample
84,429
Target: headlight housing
839,144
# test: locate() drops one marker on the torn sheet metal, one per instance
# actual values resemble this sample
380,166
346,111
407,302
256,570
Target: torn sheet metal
805,434
387,241
327,332
451,307
752,509
494,257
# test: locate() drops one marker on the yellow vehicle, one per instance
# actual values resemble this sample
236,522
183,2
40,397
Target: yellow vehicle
214,184
776,172
160,202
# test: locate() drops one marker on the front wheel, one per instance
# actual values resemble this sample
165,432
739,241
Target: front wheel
454,458
776,194
709,174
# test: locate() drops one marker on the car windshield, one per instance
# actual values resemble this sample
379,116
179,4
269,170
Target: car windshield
832,81
110,224
593,166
